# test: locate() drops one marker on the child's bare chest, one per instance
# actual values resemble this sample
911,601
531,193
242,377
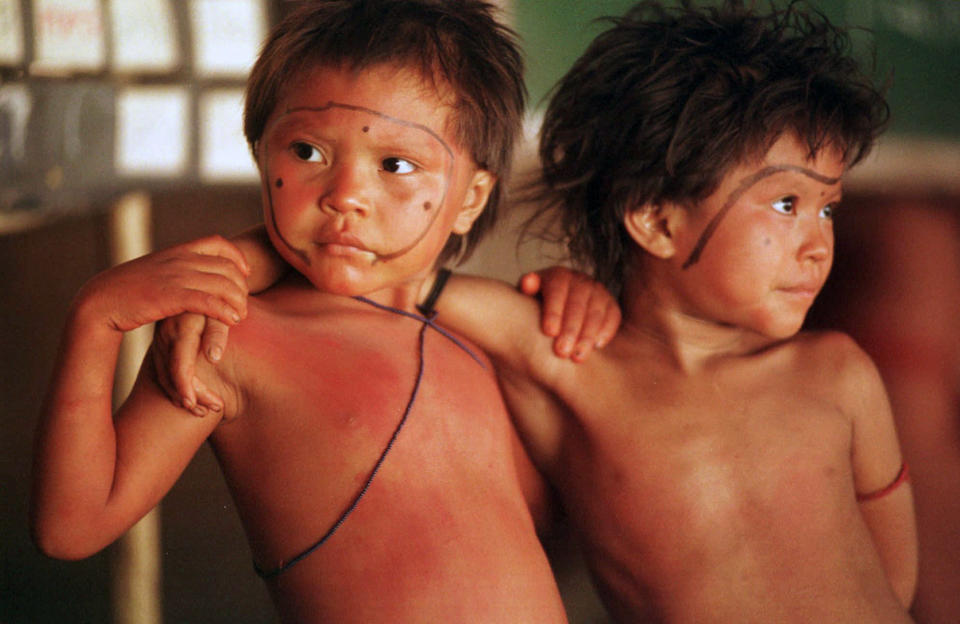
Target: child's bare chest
707,476
714,444
332,412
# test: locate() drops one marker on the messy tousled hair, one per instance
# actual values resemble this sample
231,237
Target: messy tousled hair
457,46
668,100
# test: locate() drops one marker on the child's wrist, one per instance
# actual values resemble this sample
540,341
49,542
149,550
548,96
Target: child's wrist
88,321
88,309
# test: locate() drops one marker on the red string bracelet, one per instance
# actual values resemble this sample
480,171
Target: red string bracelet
902,477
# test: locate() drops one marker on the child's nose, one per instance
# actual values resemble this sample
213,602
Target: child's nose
346,191
817,243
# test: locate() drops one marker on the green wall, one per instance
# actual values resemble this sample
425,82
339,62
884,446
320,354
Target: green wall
917,43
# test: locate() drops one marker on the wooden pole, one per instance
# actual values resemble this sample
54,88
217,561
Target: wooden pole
136,566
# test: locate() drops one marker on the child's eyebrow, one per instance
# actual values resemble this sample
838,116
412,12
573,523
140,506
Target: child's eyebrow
370,111
448,173
745,184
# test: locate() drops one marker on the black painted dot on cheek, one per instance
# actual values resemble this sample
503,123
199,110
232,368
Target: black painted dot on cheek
427,206
279,182
366,128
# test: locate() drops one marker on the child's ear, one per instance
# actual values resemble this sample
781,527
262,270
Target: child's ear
654,228
475,200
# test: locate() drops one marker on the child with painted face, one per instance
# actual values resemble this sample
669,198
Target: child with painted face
368,450
719,464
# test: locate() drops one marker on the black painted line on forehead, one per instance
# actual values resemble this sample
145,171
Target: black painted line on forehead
380,257
369,111
392,119
743,187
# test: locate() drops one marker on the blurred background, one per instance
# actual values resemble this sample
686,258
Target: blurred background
133,107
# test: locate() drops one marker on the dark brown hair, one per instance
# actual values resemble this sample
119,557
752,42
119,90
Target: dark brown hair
454,44
666,101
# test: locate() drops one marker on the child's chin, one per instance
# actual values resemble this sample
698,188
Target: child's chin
777,327
783,331
342,285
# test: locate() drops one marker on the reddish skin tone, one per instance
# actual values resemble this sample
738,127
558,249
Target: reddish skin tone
291,127
744,186
314,383
348,224
710,455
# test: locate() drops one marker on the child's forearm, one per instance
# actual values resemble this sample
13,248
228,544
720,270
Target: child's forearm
96,474
893,528
76,441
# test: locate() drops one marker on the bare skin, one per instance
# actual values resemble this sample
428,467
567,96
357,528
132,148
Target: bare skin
315,382
678,451
444,531
710,456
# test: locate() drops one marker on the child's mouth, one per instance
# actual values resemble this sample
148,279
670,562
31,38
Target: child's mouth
346,249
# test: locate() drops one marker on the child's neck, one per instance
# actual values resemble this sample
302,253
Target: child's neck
653,322
400,296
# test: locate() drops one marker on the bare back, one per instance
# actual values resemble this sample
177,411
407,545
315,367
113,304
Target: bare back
319,385
721,495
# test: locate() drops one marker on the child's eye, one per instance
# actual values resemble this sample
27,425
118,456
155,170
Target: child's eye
784,205
828,211
397,165
306,152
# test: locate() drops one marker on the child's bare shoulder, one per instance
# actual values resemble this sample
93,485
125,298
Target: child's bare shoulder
503,322
287,329
832,349
838,362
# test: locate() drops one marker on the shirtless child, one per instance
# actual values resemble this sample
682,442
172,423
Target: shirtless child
369,453
719,464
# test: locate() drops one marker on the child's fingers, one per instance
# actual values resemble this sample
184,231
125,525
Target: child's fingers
182,364
205,272
206,398
175,344
214,340
555,291
163,377
223,306
550,318
166,384
575,315
219,246
589,330
610,325
600,324
236,297
530,284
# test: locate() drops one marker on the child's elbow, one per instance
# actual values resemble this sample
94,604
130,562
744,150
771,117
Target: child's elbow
61,540
52,545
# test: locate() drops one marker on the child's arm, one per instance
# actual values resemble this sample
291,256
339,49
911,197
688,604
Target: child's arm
577,312
883,490
96,474
179,340
504,323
